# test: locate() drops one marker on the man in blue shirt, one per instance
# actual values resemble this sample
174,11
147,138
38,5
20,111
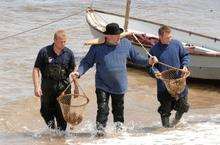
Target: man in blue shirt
111,74
55,62
173,53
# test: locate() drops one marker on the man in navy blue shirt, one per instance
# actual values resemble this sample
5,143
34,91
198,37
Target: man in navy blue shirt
111,74
55,62
171,52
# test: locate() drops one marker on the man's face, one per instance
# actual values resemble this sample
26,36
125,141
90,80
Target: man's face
113,38
60,42
165,38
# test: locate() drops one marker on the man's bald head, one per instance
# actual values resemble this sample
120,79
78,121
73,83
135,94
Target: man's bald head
60,39
60,34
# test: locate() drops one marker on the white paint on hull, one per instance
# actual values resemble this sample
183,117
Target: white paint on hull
204,67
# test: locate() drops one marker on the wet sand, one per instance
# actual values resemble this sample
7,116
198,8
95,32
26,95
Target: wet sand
204,93
20,120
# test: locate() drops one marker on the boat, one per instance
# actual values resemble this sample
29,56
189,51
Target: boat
204,50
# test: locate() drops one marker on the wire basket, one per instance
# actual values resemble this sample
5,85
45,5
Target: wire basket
73,106
174,80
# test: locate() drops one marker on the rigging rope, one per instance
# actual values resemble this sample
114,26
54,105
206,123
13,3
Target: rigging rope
13,35
151,55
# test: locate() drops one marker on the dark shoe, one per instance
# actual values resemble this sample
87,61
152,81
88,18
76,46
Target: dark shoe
165,122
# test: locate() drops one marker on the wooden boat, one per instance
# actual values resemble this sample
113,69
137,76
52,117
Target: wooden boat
204,50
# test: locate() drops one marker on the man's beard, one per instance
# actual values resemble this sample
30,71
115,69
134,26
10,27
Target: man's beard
112,43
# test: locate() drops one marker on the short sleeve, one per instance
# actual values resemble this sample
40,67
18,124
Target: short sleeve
39,61
72,62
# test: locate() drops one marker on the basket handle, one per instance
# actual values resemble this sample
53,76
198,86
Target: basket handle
76,89
76,92
186,74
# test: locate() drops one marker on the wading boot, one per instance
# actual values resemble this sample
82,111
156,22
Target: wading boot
177,118
100,131
165,122
119,127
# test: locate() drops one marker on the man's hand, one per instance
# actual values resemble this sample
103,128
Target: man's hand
153,60
38,92
157,75
36,79
74,74
185,69
76,92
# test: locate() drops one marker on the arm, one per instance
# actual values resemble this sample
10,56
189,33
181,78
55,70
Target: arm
152,67
87,62
136,56
36,81
36,73
72,64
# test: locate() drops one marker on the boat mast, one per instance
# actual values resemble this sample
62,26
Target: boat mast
127,15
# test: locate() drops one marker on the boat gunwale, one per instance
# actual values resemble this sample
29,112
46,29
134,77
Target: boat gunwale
191,50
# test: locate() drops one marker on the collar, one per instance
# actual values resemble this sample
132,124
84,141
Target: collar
163,45
62,51
110,44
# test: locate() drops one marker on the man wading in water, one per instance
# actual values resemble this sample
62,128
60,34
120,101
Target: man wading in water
173,53
111,74
55,62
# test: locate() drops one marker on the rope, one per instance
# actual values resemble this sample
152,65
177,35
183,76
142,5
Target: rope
151,55
75,81
13,35
76,84
80,88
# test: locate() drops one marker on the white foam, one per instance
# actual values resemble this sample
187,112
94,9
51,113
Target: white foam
206,133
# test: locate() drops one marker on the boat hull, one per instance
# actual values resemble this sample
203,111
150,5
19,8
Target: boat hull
202,67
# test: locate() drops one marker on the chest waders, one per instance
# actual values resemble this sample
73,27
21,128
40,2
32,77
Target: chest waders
56,79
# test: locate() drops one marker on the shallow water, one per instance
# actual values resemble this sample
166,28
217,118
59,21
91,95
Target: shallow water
20,121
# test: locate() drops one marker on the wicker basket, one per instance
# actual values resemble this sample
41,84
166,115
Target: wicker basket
73,106
174,80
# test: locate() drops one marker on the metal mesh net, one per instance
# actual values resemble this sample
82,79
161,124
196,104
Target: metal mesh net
174,80
73,106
